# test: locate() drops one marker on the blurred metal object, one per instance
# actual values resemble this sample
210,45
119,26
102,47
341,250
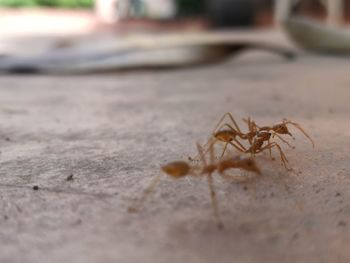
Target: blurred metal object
335,10
317,37
312,35
144,52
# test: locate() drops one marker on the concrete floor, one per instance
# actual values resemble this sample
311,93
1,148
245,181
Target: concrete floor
112,132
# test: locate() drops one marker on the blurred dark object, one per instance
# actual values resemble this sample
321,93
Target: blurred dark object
190,7
219,13
229,13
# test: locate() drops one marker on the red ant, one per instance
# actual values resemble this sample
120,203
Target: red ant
256,136
179,169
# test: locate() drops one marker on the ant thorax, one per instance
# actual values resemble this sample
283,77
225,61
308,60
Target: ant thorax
265,135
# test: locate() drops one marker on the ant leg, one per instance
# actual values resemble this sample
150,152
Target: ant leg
251,129
282,156
222,118
225,147
283,140
201,154
286,121
211,141
231,143
212,153
238,148
214,201
241,135
270,151
251,151
233,121
251,124
146,194
211,186
223,152
209,147
247,121
219,123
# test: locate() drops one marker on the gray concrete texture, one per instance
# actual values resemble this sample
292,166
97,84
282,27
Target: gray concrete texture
114,131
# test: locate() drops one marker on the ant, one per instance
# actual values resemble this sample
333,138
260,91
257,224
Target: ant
256,131
256,136
279,128
179,169
230,134
264,134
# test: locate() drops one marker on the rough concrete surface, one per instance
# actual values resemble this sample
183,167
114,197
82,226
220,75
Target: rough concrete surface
113,131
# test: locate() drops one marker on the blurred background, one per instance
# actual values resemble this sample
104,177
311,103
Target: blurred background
32,26
82,16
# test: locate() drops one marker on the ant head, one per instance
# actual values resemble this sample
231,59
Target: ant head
176,169
225,135
281,129
249,164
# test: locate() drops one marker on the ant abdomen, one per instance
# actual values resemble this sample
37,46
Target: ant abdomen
177,168
225,135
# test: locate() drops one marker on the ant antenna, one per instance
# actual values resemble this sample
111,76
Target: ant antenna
286,121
